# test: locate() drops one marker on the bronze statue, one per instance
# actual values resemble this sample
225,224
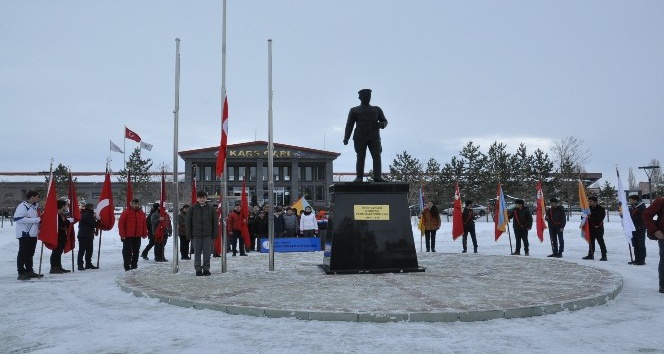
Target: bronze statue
368,119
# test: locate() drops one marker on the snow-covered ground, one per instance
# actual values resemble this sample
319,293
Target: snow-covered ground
86,312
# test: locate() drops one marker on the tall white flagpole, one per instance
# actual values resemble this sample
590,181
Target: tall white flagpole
176,199
222,191
270,155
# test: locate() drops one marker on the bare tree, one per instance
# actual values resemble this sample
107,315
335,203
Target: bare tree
569,157
631,180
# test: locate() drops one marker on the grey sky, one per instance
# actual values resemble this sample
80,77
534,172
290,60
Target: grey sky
73,73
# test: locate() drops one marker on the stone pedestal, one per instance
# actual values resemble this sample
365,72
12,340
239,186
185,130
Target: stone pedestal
369,229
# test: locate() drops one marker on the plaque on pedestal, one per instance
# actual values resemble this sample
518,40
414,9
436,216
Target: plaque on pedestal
369,230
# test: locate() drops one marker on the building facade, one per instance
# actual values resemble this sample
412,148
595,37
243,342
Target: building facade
297,172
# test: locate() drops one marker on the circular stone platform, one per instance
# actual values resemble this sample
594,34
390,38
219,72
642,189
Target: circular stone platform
455,287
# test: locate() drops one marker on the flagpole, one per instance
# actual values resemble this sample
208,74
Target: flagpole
100,230
71,226
270,157
176,201
222,191
124,148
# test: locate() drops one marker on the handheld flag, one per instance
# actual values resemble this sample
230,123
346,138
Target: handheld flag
130,191
48,230
244,216
541,210
626,218
500,215
302,203
105,209
585,209
74,213
420,222
221,154
129,134
164,224
115,147
457,217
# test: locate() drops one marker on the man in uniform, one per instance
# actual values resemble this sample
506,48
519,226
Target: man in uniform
367,120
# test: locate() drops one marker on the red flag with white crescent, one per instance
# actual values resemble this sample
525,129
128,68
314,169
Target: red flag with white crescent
129,134
105,209
221,154
457,218
48,229
74,213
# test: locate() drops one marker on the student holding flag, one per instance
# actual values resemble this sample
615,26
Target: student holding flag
596,225
522,222
87,229
636,209
27,221
468,217
63,228
431,223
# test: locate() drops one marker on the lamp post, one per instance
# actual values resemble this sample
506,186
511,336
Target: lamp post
649,170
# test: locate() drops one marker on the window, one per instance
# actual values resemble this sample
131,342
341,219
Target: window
207,173
286,170
241,172
308,192
275,173
319,173
306,173
252,173
231,173
320,194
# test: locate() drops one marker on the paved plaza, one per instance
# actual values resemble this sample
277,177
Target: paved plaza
455,287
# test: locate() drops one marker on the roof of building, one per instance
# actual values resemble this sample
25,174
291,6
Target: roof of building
260,143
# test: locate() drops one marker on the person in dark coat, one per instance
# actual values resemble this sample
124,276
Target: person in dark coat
201,227
63,229
148,221
184,241
468,217
557,219
87,229
279,223
656,232
636,209
596,224
259,229
522,221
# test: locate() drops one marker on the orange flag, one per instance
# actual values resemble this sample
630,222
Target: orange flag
585,209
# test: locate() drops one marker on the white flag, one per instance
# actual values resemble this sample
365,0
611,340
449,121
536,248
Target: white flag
146,146
627,223
115,147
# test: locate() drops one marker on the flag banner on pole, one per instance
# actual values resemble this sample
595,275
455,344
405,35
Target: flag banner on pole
146,146
500,213
115,147
626,218
74,213
585,210
244,215
194,197
541,210
420,222
48,229
302,203
129,134
130,191
105,209
165,223
457,215
221,154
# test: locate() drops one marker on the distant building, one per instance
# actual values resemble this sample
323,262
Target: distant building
298,172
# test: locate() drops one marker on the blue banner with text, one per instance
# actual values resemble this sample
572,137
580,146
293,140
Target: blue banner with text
291,244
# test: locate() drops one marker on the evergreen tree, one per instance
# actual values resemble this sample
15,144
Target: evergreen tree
433,181
406,168
472,182
542,168
140,179
608,195
61,178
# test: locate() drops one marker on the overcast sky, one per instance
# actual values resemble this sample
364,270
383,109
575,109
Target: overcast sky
73,73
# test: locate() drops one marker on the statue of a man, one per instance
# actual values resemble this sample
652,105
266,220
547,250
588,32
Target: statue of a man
367,120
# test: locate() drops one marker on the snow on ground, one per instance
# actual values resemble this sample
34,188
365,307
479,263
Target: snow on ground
86,312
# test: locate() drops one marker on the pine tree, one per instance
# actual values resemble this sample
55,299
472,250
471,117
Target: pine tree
407,169
140,179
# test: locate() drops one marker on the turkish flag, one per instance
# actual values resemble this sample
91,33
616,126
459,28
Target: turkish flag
74,213
165,223
457,218
48,230
105,209
221,154
129,134
541,210
244,216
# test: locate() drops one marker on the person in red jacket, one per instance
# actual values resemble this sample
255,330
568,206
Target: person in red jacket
132,227
656,232
234,229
